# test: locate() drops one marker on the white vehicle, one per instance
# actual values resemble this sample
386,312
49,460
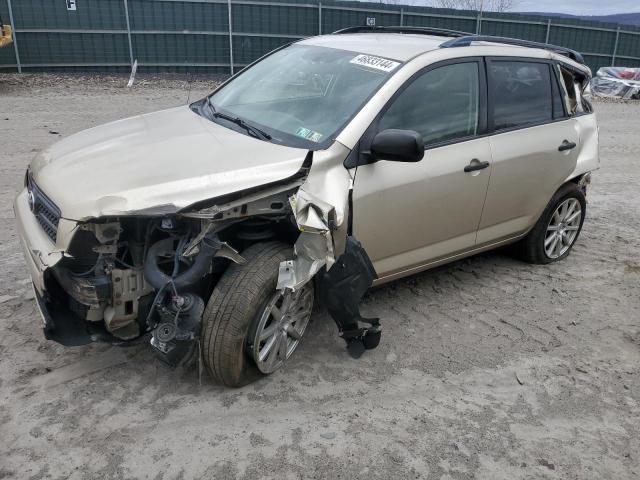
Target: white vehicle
329,165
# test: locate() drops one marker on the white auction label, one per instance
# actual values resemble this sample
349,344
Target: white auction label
375,62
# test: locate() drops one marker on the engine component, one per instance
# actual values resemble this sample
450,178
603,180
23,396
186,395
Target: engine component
163,248
174,338
256,230
164,333
127,288
104,232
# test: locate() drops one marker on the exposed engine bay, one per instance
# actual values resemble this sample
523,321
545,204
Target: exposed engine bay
139,276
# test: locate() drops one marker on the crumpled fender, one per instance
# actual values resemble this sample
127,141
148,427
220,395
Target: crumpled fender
321,208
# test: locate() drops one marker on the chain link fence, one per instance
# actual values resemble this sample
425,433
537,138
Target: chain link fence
220,36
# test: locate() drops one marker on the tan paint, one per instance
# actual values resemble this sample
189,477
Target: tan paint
527,170
159,162
408,213
408,217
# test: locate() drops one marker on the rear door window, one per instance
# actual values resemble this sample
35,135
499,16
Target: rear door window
521,92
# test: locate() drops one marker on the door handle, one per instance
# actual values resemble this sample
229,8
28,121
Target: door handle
566,145
475,165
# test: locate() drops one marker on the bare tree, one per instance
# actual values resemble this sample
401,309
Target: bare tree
478,5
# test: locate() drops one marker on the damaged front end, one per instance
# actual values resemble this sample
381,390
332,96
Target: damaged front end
122,278
128,277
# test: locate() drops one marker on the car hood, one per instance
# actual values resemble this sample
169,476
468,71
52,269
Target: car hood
156,163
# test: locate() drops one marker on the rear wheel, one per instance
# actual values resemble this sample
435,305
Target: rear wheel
557,229
249,328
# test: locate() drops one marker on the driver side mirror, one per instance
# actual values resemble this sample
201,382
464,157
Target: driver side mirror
397,146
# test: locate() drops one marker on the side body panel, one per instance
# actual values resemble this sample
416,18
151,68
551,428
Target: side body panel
408,214
414,217
527,170
588,154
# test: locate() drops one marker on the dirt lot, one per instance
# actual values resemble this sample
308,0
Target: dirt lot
488,368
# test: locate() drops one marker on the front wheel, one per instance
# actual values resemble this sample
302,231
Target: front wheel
249,328
557,229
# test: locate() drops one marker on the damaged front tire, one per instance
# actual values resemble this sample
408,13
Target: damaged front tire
244,306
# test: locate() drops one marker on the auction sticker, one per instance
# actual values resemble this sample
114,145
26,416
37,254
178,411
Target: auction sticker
309,134
375,62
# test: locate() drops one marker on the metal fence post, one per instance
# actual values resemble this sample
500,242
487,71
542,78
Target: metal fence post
548,31
230,36
615,48
126,16
15,37
402,9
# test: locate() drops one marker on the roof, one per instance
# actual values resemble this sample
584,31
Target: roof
395,46
405,46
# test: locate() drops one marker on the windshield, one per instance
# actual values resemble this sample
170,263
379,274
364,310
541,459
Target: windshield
302,95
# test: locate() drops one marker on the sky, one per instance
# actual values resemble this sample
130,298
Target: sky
579,7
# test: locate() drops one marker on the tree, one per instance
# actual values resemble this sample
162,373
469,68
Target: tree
478,5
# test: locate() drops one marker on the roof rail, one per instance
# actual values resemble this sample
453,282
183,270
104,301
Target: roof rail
440,32
468,40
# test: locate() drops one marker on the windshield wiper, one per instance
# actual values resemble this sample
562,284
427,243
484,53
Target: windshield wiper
254,131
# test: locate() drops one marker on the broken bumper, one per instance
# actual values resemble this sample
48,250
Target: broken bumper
39,250
60,326
40,254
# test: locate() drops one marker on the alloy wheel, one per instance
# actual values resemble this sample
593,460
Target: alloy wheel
563,228
281,326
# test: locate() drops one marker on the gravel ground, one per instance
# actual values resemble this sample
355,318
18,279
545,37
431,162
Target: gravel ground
488,368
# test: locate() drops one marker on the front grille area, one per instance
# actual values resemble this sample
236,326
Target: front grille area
46,212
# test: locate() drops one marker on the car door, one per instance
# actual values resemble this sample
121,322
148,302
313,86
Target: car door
534,145
408,215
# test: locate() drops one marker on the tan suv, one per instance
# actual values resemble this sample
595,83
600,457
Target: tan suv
329,165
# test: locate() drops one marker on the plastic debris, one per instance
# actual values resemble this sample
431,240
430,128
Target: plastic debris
617,82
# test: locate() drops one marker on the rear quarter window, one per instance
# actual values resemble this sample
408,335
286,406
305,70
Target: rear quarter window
521,92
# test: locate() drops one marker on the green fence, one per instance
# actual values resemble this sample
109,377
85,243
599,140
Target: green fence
195,35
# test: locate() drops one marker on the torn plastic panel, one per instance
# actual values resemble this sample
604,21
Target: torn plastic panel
342,287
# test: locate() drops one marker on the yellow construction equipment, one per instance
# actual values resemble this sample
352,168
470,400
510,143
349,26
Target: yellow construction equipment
7,36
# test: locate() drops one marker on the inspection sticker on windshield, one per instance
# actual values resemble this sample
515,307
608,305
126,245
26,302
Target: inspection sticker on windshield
375,62
309,134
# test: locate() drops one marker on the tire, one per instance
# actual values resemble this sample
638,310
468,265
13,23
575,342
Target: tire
235,305
531,248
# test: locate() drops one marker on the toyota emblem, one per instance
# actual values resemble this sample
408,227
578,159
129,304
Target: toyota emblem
31,199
